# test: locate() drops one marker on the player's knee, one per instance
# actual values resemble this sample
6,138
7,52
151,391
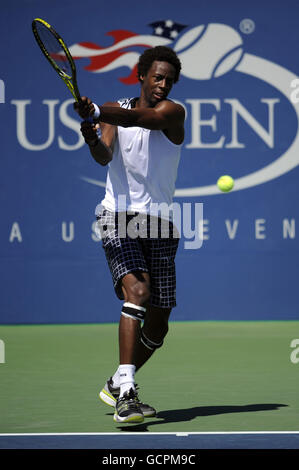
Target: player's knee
139,294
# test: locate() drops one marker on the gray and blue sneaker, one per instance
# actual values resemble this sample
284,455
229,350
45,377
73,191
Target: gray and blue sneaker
110,394
127,408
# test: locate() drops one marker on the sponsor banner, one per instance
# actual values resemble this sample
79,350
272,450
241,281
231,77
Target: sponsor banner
238,253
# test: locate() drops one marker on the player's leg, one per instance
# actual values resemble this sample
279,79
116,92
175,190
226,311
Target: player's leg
160,254
152,334
124,257
136,292
160,259
147,339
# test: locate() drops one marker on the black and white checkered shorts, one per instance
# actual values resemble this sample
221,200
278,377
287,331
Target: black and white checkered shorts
139,242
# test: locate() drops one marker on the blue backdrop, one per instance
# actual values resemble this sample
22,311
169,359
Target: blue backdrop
239,87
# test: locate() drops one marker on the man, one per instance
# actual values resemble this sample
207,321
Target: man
141,139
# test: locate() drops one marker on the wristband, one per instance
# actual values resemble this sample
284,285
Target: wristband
97,111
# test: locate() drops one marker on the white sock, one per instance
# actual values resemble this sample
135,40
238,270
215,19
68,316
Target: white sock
115,379
126,377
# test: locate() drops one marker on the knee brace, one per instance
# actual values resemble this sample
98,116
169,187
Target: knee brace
148,343
133,311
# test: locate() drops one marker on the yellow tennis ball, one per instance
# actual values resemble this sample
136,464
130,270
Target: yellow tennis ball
225,183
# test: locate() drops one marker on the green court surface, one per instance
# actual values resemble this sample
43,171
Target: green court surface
209,376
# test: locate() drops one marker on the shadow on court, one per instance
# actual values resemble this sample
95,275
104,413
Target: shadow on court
187,414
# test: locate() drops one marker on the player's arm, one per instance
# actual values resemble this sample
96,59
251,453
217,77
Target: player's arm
166,115
101,148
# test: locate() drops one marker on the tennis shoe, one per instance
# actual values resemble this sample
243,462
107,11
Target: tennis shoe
127,409
110,394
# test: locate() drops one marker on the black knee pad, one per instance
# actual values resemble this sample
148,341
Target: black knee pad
148,343
134,311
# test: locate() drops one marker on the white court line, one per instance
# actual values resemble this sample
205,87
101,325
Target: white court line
179,434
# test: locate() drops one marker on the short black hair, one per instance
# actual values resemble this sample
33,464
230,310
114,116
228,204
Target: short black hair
160,53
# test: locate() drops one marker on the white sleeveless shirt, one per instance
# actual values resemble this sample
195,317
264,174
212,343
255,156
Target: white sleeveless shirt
143,170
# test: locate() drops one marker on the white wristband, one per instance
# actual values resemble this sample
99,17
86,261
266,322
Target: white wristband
97,111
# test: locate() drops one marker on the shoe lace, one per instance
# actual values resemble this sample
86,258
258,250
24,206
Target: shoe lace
129,400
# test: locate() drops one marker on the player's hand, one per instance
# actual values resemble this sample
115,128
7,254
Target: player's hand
89,132
84,108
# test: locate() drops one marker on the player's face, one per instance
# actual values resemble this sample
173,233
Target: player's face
158,81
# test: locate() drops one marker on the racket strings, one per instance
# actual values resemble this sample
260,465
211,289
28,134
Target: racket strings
54,49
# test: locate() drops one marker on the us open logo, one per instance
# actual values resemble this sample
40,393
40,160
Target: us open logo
208,53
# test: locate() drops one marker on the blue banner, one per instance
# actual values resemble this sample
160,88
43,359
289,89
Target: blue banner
240,89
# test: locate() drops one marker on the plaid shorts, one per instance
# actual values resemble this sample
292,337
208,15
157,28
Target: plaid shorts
140,242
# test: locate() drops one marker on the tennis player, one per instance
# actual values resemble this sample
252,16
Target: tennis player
141,139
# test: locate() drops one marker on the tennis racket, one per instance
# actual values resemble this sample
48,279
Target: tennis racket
55,50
